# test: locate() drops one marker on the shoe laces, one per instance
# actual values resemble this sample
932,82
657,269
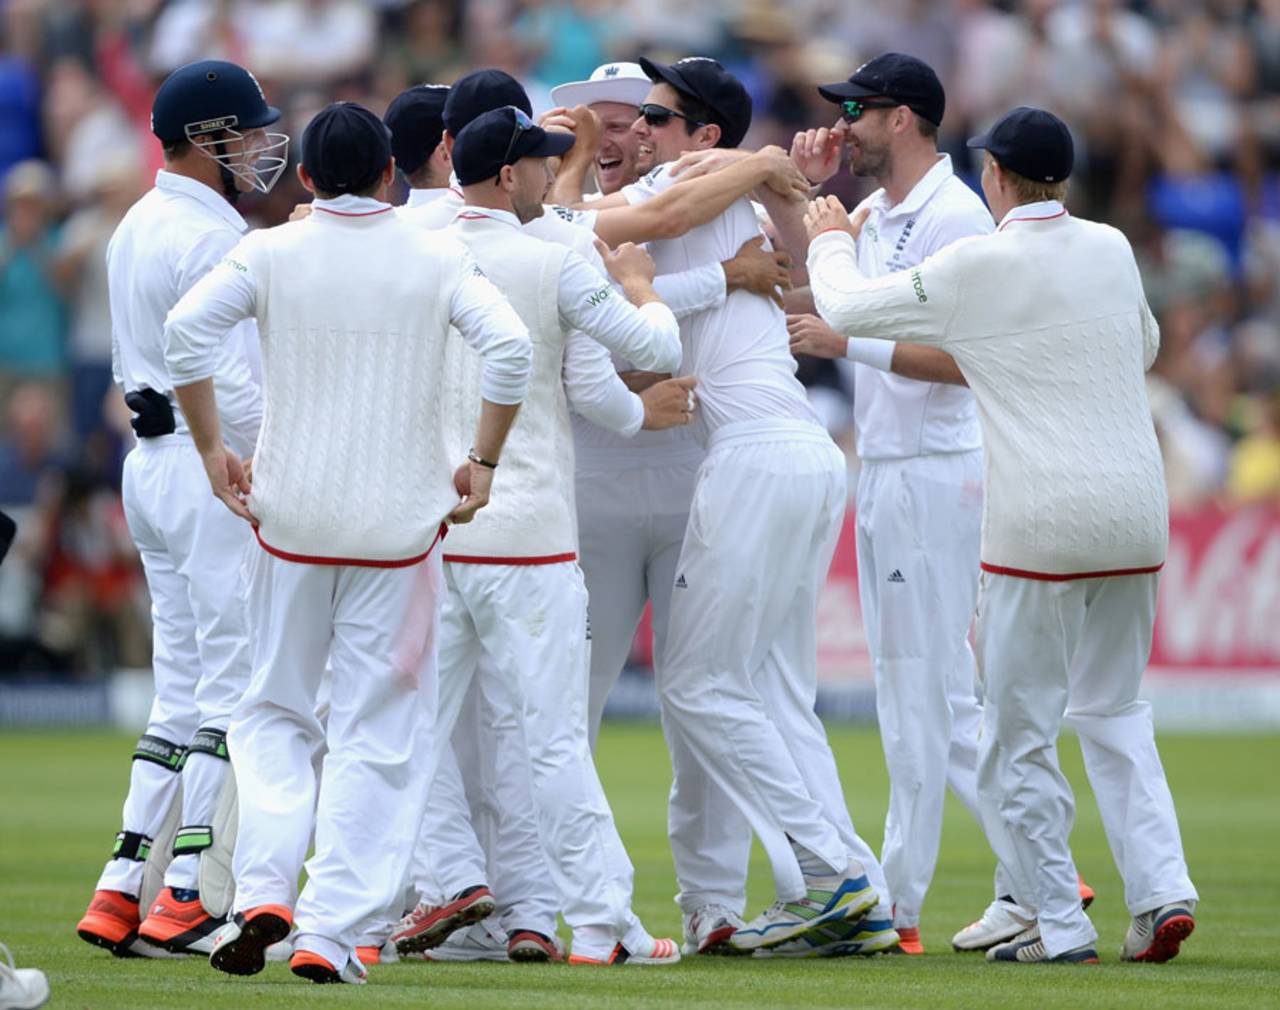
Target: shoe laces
419,912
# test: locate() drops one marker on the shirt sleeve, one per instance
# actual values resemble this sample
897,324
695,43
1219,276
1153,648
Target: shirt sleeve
197,326
914,305
491,327
691,291
594,389
648,337
648,186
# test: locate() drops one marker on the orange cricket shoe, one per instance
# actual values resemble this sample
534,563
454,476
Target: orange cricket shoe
240,946
183,927
111,921
1086,892
314,968
909,939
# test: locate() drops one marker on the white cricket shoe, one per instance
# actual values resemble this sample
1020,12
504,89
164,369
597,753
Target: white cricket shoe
846,896
707,930
1028,948
1156,936
480,942
862,938
21,988
1002,921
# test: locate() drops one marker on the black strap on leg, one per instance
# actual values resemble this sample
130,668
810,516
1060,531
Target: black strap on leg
159,751
209,741
131,845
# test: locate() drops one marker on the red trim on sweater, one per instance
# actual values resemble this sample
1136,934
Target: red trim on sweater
363,213
545,559
311,559
1045,217
1019,573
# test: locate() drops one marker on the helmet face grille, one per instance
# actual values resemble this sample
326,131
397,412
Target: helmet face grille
257,157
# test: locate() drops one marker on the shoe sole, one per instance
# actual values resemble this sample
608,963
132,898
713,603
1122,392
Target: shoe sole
247,953
1168,940
432,936
120,948
529,952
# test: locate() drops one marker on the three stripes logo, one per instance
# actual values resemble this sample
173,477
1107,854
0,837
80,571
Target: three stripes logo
680,582
896,576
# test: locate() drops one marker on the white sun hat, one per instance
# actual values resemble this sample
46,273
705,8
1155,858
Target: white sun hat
613,82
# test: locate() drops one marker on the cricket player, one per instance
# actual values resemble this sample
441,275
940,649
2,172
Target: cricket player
1047,321
738,674
919,497
353,479
515,591
449,883
634,495
211,118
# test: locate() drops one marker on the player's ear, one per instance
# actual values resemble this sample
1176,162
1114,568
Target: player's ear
507,177
304,177
711,134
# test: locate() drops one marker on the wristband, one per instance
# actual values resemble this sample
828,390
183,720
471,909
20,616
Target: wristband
876,353
479,460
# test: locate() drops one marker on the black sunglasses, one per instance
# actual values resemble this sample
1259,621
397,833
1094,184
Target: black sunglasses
851,109
660,115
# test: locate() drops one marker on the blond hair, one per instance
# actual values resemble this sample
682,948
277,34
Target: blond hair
1029,190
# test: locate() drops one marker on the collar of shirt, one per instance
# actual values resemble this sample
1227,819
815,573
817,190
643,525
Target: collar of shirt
921,191
1041,210
349,205
173,183
478,213
422,197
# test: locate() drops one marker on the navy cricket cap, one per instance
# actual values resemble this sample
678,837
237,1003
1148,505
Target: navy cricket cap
904,79
482,91
345,148
416,121
706,80
502,137
1034,143
208,96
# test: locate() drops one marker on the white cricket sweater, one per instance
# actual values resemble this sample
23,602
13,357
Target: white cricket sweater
531,518
1049,324
354,307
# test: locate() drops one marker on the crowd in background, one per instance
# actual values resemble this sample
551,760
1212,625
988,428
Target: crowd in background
1175,105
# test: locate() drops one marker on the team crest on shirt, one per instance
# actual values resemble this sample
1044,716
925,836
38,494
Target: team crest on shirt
654,175
568,213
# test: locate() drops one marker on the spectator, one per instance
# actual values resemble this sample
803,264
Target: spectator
32,314
29,450
1255,463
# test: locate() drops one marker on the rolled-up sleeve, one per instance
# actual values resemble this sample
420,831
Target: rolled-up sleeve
648,337
491,327
197,326
594,389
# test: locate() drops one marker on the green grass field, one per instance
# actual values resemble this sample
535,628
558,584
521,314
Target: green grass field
60,800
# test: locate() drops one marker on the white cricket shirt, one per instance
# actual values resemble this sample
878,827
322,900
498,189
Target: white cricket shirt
167,241
898,417
739,352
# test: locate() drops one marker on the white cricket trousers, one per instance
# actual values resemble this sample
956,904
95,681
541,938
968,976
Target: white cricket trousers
740,670
377,628
192,551
631,526
1078,646
481,822
919,527
530,623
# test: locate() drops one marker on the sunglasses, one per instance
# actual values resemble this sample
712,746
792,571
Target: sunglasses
660,115
851,109
523,125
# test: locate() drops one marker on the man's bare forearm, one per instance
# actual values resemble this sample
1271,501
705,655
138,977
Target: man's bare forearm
491,431
927,364
200,408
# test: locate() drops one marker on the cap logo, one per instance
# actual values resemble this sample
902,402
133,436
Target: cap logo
611,71
257,85
695,59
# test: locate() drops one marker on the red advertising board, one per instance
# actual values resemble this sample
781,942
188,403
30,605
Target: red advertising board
1219,606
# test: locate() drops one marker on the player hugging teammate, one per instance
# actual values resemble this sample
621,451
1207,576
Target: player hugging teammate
514,410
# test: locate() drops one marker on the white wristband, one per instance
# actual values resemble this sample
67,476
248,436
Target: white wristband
876,353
